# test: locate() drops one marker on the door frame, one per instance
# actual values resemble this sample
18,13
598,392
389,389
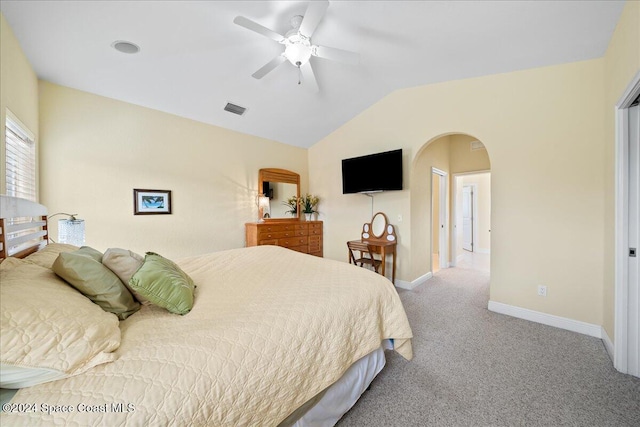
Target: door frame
454,212
443,219
621,315
474,215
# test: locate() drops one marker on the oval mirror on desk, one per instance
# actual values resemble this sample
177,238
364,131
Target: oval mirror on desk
379,224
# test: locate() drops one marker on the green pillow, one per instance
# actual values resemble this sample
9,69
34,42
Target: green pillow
83,270
164,284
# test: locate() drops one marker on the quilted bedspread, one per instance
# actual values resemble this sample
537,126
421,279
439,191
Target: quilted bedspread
270,328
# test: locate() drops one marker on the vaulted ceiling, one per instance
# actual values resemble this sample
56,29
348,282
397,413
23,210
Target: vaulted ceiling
194,59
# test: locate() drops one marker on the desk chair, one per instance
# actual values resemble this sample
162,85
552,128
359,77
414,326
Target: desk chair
364,249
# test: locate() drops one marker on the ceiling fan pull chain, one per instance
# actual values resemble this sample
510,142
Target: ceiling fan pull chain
299,72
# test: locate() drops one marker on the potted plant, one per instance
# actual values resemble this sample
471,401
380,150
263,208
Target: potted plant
292,203
308,204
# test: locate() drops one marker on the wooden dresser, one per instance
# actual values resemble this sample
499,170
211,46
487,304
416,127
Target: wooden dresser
301,236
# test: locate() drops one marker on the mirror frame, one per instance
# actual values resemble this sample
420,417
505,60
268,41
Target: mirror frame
384,225
278,175
387,236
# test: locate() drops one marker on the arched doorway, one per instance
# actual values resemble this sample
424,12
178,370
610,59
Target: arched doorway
442,165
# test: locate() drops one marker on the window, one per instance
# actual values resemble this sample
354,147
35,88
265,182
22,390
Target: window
20,160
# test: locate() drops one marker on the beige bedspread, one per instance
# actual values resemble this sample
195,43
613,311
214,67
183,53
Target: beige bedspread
270,329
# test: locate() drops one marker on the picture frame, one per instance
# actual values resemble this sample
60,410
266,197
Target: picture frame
151,202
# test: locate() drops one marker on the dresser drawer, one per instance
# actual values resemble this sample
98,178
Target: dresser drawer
302,249
295,241
281,234
301,236
268,242
315,231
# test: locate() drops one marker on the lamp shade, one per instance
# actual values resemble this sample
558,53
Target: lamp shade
71,231
264,209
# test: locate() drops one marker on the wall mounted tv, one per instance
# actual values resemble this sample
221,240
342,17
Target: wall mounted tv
372,173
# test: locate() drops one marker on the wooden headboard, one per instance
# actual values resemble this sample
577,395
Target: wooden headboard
23,227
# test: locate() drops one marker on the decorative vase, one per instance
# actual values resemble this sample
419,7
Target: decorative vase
307,216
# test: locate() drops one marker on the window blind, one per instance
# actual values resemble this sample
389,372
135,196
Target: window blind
20,160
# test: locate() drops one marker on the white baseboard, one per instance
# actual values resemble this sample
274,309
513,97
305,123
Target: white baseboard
547,319
414,283
608,344
483,251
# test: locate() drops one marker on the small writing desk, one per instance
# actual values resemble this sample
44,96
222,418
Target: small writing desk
381,236
384,248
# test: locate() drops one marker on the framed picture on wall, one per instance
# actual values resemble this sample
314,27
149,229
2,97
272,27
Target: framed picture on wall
151,202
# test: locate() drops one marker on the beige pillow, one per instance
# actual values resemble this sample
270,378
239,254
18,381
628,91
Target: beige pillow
47,326
47,255
84,272
124,264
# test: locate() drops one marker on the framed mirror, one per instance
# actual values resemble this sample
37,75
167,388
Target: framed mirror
279,185
378,224
379,229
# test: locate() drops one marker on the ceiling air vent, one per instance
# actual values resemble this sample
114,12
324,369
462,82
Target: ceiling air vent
477,145
235,109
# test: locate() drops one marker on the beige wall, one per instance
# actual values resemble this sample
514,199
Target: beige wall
622,63
95,151
18,90
544,133
418,246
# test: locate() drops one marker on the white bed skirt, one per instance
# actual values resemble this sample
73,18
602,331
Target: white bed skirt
345,392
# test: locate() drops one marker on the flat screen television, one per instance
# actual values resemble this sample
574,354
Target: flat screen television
372,173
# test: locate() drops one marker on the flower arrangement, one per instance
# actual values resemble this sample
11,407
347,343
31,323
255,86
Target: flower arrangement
308,203
292,203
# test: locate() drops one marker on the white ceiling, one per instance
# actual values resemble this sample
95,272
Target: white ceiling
193,59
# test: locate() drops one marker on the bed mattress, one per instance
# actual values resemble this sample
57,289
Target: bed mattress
269,330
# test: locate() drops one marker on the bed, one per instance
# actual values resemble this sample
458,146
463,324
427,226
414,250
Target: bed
274,338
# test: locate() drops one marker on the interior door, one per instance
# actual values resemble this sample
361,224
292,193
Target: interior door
633,346
467,218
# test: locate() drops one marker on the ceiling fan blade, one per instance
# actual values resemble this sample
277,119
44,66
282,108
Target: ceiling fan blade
313,15
269,67
254,26
336,54
308,77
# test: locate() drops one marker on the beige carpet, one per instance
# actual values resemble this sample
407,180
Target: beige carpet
473,367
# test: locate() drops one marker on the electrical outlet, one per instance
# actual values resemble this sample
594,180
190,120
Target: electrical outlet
399,218
542,290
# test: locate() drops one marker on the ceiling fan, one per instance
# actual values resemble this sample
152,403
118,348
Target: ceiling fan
297,41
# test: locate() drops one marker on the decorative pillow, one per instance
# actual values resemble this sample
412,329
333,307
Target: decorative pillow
85,273
164,284
124,264
47,255
90,252
48,330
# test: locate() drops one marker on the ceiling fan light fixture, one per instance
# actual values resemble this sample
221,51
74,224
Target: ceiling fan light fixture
297,53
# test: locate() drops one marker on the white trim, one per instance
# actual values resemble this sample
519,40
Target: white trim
474,215
482,251
621,224
17,121
454,209
547,319
608,344
443,217
403,284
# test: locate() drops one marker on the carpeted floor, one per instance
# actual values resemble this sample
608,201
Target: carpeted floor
473,367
